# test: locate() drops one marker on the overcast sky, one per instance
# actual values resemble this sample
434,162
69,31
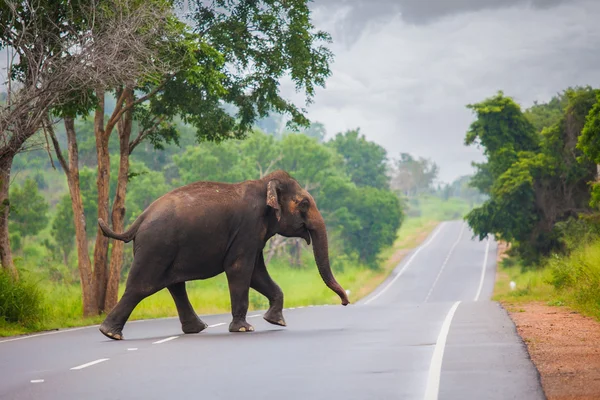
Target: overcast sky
405,69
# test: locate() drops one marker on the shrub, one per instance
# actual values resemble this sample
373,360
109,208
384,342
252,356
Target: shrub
20,301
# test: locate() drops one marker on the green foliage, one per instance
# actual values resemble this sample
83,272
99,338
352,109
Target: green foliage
369,222
263,40
20,301
364,161
29,209
63,228
503,131
144,188
534,180
544,115
589,143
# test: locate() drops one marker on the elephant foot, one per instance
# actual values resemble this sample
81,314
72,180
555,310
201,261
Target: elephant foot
112,333
240,326
193,326
274,317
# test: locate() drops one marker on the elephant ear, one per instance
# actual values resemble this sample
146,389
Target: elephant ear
272,199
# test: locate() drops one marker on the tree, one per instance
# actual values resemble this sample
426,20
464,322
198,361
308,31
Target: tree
411,176
589,143
63,229
29,213
58,51
534,180
369,221
365,162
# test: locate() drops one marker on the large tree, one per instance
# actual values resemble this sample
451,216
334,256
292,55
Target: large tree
534,180
58,51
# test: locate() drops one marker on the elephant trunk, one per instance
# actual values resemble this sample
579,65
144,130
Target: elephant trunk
318,234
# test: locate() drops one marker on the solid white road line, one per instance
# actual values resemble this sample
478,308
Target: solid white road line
437,231
90,363
37,381
219,324
165,340
435,368
485,260
445,262
47,333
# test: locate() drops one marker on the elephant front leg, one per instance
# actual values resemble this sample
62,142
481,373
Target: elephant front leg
238,277
263,284
190,322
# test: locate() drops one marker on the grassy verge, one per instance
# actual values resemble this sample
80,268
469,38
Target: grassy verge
302,287
572,281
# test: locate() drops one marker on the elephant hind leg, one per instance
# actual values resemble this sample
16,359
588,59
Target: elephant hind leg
190,322
265,285
113,324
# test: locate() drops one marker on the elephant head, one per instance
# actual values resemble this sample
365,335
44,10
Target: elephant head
297,215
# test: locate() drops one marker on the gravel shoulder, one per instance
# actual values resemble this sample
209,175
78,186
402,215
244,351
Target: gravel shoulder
564,346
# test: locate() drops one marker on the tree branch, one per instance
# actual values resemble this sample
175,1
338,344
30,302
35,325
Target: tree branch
119,110
61,159
143,134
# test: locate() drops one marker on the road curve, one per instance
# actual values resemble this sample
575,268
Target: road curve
428,332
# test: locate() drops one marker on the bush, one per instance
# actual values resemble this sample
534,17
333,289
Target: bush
578,277
20,301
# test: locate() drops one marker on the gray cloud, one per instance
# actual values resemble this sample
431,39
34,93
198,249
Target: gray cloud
357,15
405,79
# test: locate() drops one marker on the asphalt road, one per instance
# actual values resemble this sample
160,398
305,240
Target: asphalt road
428,332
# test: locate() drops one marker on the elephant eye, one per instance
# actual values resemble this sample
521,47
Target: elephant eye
303,206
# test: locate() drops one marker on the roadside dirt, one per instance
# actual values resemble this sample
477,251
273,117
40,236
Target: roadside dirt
563,344
565,348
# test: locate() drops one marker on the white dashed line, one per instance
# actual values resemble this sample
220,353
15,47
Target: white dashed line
132,349
399,274
37,381
165,340
90,364
445,262
485,260
254,316
215,325
435,368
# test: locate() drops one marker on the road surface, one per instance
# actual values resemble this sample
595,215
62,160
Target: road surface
428,332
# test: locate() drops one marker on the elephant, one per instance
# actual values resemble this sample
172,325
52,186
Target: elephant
205,228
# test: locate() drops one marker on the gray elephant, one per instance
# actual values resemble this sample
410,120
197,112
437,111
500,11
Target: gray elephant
203,229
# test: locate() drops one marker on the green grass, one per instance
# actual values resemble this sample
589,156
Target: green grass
572,281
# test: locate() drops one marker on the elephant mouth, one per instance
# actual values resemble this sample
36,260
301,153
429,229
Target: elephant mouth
305,234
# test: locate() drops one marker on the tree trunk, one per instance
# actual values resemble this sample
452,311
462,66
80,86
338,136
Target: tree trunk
5,253
90,305
102,183
118,210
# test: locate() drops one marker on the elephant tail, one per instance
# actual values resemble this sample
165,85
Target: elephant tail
126,236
